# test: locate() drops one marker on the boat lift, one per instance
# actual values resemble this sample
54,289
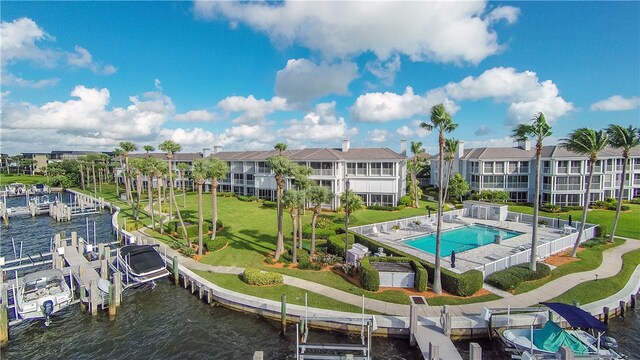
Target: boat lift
332,351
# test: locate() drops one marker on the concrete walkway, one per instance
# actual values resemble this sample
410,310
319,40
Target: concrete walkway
611,265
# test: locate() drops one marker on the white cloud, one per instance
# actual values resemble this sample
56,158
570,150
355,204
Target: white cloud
523,91
320,125
483,130
440,31
616,103
506,141
18,43
414,130
302,81
190,139
252,110
377,135
388,106
385,70
86,115
196,115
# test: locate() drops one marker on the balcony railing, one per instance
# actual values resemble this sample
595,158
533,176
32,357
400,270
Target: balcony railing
323,172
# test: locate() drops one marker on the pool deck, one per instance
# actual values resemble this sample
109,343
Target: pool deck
474,258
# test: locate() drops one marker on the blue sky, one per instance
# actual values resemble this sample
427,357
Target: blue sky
87,75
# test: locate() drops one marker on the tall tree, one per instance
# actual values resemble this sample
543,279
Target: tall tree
148,148
416,166
200,170
216,169
458,186
440,120
182,170
127,147
140,168
317,195
451,148
118,153
281,147
585,141
160,169
538,130
293,199
81,161
625,139
171,147
303,183
281,167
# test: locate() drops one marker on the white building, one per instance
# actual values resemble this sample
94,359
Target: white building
563,173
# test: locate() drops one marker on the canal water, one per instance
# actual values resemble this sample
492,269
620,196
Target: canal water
166,322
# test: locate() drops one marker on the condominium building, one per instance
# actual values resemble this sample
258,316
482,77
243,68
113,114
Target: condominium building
563,174
377,175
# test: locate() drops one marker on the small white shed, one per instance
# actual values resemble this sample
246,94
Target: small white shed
395,274
486,210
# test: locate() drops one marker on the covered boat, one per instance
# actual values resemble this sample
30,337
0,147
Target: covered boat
141,264
551,337
39,189
16,189
41,294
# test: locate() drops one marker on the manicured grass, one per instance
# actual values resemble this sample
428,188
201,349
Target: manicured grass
6,179
627,225
448,300
593,290
294,295
590,258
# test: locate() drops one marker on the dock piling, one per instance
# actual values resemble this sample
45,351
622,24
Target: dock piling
112,301
475,351
176,270
283,313
117,281
4,318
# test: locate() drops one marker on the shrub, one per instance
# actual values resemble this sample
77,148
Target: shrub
624,208
187,251
323,222
405,200
243,198
543,222
594,242
215,244
226,194
326,259
383,207
570,208
636,201
324,233
552,208
270,204
510,278
259,277
335,244
369,276
601,231
459,206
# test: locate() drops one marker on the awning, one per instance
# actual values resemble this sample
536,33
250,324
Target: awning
576,317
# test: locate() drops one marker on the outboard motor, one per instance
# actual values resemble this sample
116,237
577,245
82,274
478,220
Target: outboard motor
609,343
47,310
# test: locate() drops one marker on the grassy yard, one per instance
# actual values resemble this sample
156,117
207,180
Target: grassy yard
6,179
627,225
591,291
449,300
274,292
590,258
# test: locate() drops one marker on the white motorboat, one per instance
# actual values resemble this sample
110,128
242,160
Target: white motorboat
549,339
16,189
39,189
140,264
41,294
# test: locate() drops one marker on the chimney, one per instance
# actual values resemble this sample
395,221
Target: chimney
403,147
206,152
460,153
525,145
345,145
217,149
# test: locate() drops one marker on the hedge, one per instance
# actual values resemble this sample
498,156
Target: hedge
369,276
320,233
215,244
270,204
259,277
383,207
510,278
335,244
465,284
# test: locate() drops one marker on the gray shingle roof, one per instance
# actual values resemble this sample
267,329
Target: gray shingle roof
550,151
314,154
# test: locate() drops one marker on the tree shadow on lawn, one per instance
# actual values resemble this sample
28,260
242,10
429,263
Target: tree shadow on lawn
247,239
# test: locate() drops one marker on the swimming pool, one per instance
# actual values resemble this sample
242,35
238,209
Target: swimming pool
460,239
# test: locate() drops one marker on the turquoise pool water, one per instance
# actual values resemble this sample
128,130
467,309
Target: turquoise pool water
460,239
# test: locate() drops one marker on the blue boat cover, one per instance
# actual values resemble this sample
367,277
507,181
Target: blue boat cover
551,337
576,317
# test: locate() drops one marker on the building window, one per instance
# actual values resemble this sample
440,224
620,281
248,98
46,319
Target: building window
567,199
598,167
567,183
546,167
251,179
493,181
607,180
563,167
263,168
238,179
513,167
575,167
351,168
387,168
376,168
636,164
546,183
475,181
474,167
238,190
636,179
266,194
499,167
518,196
518,181
250,167
326,183
488,168
524,167
251,191
379,199
321,168
609,165
595,182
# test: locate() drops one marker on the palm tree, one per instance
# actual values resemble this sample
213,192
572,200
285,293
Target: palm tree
282,167
171,147
82,160
539,129
182,170
293,199
200,170
217,169
148,148
625,139
151,168
317,195
303,183
127,147
280,147
139,168
118,152
585,141
160,169
441,120
416,149
451,147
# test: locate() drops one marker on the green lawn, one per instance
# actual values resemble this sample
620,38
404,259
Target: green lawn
448,300
627,225
6,179
590,258
593,290
294,295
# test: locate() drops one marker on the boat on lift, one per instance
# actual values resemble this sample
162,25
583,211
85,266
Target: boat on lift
16,189
41,294
140,264
39,189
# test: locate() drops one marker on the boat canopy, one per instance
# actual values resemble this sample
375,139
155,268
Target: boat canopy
142,258
576,317
551,337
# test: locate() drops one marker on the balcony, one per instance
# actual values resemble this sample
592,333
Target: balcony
322,172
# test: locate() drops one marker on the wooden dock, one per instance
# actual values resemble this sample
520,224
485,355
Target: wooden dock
435,345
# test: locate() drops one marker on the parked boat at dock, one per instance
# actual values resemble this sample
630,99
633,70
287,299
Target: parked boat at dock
16,189
140,264
41,294
549,339
39,189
